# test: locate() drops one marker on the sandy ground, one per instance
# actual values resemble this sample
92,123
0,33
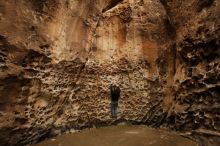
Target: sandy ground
119,136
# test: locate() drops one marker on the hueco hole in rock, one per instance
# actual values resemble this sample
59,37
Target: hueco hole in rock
109,72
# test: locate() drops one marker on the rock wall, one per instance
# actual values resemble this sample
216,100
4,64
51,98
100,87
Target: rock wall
195,92
58,58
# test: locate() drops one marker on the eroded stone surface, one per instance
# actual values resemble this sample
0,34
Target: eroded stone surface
58,58
196,81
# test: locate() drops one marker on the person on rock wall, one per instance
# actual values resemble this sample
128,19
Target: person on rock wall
115,94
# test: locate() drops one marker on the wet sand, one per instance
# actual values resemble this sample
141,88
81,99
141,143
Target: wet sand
119,136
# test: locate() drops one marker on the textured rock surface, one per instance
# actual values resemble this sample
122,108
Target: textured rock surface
196,85
58,58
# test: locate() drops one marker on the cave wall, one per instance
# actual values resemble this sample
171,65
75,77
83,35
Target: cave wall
58,58
195,90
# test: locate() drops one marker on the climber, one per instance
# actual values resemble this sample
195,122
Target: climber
115,94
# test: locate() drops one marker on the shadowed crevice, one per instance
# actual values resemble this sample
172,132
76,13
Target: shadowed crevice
111,4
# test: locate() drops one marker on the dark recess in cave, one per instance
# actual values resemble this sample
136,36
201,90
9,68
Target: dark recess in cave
111,4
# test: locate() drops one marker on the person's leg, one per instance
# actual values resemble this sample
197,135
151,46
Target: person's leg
112,108
116,107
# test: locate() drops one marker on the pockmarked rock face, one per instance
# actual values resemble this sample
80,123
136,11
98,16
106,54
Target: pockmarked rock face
59,57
